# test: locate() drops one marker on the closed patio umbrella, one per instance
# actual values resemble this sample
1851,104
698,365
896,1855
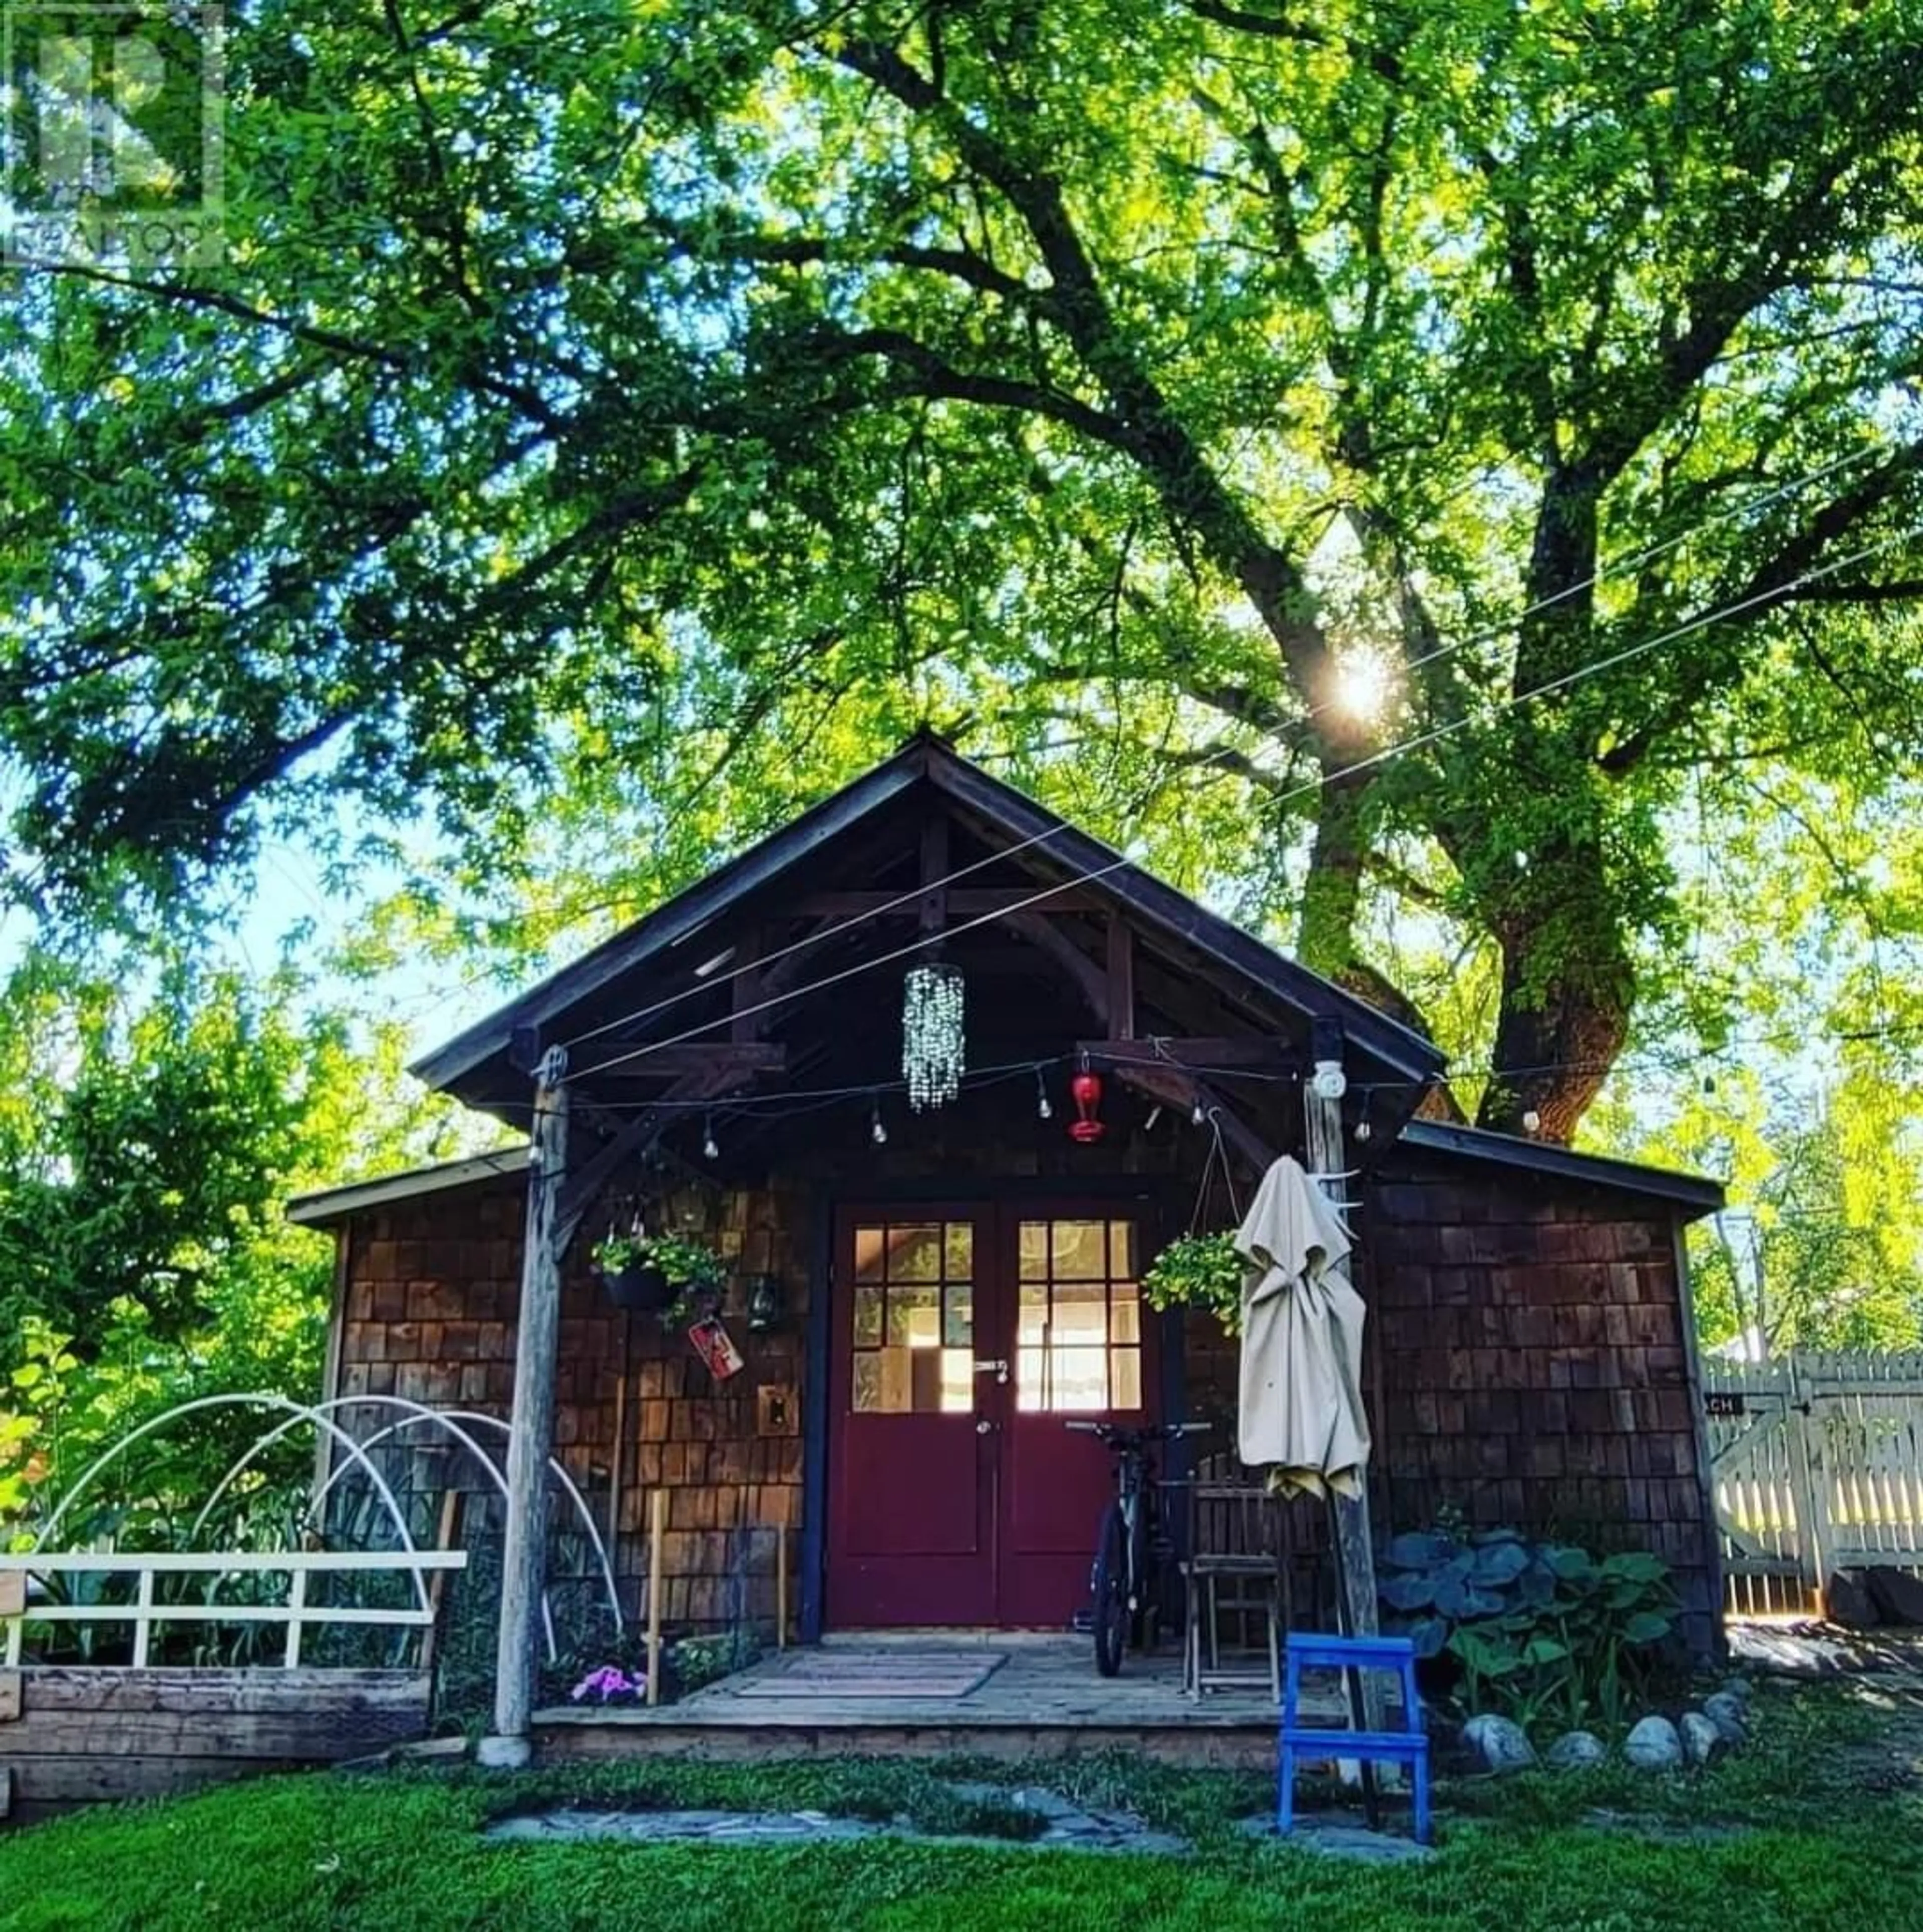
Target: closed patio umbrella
1301,1367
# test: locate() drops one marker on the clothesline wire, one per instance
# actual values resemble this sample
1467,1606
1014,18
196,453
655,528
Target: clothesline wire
1548,688
1617,566
910,895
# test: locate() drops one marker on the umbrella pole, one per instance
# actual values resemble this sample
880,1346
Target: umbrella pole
1351,1678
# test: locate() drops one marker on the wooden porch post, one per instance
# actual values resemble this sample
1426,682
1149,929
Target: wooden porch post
1355,1551
537,1333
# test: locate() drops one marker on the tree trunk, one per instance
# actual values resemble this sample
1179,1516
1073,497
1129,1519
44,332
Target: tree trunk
1567,988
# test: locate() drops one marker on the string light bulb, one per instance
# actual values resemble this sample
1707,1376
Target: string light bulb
1531,1120
1198,1114
710,1147
1044,1111
877,1128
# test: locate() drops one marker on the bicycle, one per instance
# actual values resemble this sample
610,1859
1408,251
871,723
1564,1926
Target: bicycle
1130,1548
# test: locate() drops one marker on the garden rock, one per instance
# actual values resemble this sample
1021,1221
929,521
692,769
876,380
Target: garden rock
1500,1744
1740,1688
1576,1750
1729,1714
1701,1739
1654,1745
1897,1595
1847,1600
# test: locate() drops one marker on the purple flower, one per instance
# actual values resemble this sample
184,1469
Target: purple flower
608,1683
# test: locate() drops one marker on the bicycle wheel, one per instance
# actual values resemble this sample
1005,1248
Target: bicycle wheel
1112,1592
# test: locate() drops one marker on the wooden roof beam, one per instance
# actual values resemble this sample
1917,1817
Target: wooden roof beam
632,1059
1175,1087
963,901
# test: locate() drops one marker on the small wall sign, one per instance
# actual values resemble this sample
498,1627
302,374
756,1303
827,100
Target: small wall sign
715,1347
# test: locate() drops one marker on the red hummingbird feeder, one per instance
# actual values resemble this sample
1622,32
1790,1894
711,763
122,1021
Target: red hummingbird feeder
1085,1090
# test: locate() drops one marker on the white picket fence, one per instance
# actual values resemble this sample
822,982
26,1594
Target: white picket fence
293,1611
1817,1464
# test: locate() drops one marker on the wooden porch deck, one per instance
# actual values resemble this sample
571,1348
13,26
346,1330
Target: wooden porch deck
1043,1699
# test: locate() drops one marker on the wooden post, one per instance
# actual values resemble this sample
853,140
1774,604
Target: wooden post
781,1586
537,1334
657,1536
297,1598
447,1533
617,1470
143,1624
1355,1551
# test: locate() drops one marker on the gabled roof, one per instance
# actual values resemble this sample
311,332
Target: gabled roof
1068,854
1692,1192
328,1204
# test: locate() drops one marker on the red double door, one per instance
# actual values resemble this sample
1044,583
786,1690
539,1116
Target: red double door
965,1337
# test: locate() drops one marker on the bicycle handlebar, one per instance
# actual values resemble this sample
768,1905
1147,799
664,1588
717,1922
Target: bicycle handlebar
1168,1432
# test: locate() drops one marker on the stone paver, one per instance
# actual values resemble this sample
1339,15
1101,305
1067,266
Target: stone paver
1337,1840
1069,1828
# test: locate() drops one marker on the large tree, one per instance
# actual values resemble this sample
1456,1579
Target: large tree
596,398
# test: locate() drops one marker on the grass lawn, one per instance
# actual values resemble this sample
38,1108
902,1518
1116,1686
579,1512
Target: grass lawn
1816,1825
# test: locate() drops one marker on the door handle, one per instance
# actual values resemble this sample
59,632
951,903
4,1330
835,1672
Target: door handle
998,1369
984,1427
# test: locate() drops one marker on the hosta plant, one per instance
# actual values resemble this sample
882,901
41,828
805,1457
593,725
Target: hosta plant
1541,1631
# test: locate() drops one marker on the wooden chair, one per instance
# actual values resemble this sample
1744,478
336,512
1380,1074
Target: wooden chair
1236,1570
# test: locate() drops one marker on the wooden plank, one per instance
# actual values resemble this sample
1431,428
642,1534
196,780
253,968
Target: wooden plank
322,1736
581,1188
931,909
1089,980
1196,1054
42,1784
964,902
1121,977
731,1058
10,1695
239,1692
1176,1087
12,1592
657,1525
537,1334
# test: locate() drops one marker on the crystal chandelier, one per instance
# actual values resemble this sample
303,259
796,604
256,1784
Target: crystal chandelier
933,1044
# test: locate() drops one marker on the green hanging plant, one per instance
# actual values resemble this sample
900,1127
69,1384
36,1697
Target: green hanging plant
1198,1271
660,1274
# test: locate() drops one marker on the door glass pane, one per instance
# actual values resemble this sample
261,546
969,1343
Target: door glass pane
868,1316
1124,1312
1077,1252
1078,1380
958,1316
1125,1378
1080,1315
1034,1251
959,1263
914,1253
914,1318
867,1398
1034,1311
1121,1248
958,1382
870,1245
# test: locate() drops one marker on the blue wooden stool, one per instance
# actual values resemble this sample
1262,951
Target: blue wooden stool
1408,1746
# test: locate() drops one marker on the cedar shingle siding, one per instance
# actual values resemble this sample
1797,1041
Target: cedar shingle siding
1528,1366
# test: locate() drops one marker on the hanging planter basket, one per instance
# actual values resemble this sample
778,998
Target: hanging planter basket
659,1274
643,1290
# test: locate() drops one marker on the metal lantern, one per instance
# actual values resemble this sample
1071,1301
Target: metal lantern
933,1040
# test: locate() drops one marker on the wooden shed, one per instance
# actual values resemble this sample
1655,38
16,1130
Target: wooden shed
934,1293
